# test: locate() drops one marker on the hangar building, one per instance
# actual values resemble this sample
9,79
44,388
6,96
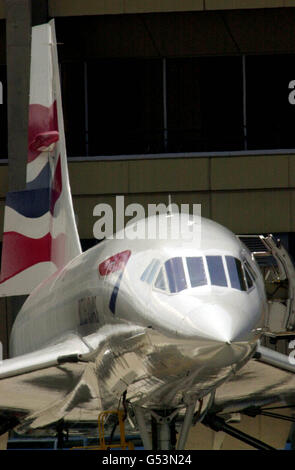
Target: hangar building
188,98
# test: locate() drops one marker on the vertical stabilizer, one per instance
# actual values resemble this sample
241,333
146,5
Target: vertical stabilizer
40,234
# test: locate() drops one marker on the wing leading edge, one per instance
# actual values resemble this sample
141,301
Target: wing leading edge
268,379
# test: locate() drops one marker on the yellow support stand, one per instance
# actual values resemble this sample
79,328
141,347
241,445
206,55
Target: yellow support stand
102,444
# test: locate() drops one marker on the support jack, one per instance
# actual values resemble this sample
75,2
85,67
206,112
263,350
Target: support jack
218,424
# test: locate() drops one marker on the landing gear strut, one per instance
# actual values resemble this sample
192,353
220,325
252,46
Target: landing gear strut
163,435
163,429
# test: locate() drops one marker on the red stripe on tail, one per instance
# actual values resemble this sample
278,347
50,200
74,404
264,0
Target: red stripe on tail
28,251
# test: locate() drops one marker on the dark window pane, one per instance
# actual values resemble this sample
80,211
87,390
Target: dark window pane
205,104
196,271
234,267
270,116
176,275
3,114
125,103
216,271
73,99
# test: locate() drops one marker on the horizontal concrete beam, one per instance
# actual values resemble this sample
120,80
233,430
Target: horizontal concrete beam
247,194
250,172
115,7
182,174
175,175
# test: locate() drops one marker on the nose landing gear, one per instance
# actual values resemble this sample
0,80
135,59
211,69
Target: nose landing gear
163,435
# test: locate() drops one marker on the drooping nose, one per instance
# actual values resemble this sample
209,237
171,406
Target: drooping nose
222,322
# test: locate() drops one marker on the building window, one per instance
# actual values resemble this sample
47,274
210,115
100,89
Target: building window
125,107
205,104
74,107
3,113
201,104
270,115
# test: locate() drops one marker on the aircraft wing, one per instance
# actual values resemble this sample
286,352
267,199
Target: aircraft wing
61,381
41,379
40,388
67,350
268,379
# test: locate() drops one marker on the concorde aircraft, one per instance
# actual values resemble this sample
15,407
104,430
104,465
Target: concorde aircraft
156,324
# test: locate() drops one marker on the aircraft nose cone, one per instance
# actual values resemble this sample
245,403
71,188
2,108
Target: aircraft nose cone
222,323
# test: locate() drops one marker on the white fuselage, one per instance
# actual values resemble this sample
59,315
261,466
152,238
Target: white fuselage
189,293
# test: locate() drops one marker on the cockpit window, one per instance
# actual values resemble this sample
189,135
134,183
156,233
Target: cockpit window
235,271
196,271
216,271
176,275
146,271
248,278
150,271
251,270
160,281
153,271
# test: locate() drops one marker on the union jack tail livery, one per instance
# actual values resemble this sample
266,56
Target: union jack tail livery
40,234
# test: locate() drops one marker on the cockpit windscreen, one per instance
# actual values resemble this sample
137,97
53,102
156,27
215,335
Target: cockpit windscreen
180,273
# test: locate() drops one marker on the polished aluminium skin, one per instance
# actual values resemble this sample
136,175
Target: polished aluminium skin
163,349
213,313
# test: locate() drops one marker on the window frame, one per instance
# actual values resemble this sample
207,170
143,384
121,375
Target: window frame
186,272
153,284
242,261
250,269
246,269
154,265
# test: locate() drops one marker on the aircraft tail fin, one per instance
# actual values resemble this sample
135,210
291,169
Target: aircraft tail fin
40,233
